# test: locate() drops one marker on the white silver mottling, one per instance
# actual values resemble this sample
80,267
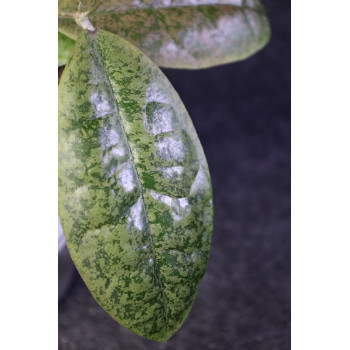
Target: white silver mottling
180,207
170,148
171,172
135,217
100,104
126,178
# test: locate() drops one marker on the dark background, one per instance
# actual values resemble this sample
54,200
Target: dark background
242,115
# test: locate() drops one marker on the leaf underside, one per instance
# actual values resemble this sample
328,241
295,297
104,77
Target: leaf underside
181,33
135,197
65,45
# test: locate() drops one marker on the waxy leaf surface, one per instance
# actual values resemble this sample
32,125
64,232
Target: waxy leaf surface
180,33
135,197
65,44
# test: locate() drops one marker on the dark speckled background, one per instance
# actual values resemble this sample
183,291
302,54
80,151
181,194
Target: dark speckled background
242,115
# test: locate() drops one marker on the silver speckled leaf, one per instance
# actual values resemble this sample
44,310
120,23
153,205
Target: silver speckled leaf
135,198
180,33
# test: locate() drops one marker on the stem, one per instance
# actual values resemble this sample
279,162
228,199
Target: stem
65,15
82,17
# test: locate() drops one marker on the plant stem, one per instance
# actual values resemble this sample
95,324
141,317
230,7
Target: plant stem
82,17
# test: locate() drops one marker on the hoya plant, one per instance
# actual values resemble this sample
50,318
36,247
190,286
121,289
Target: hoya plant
135,198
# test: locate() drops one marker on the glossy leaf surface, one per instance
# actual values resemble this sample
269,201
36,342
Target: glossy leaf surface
180,33
134,188
65,44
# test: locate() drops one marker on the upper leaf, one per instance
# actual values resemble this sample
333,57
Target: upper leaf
180,33
65,44
134,189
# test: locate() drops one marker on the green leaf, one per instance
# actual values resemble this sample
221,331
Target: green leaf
180,33
135,197
65,44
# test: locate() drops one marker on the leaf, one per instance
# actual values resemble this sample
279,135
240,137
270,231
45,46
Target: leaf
65,44
180,33
134,188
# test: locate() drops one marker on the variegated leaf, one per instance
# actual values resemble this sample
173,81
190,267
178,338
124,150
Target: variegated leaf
180,33
134,188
